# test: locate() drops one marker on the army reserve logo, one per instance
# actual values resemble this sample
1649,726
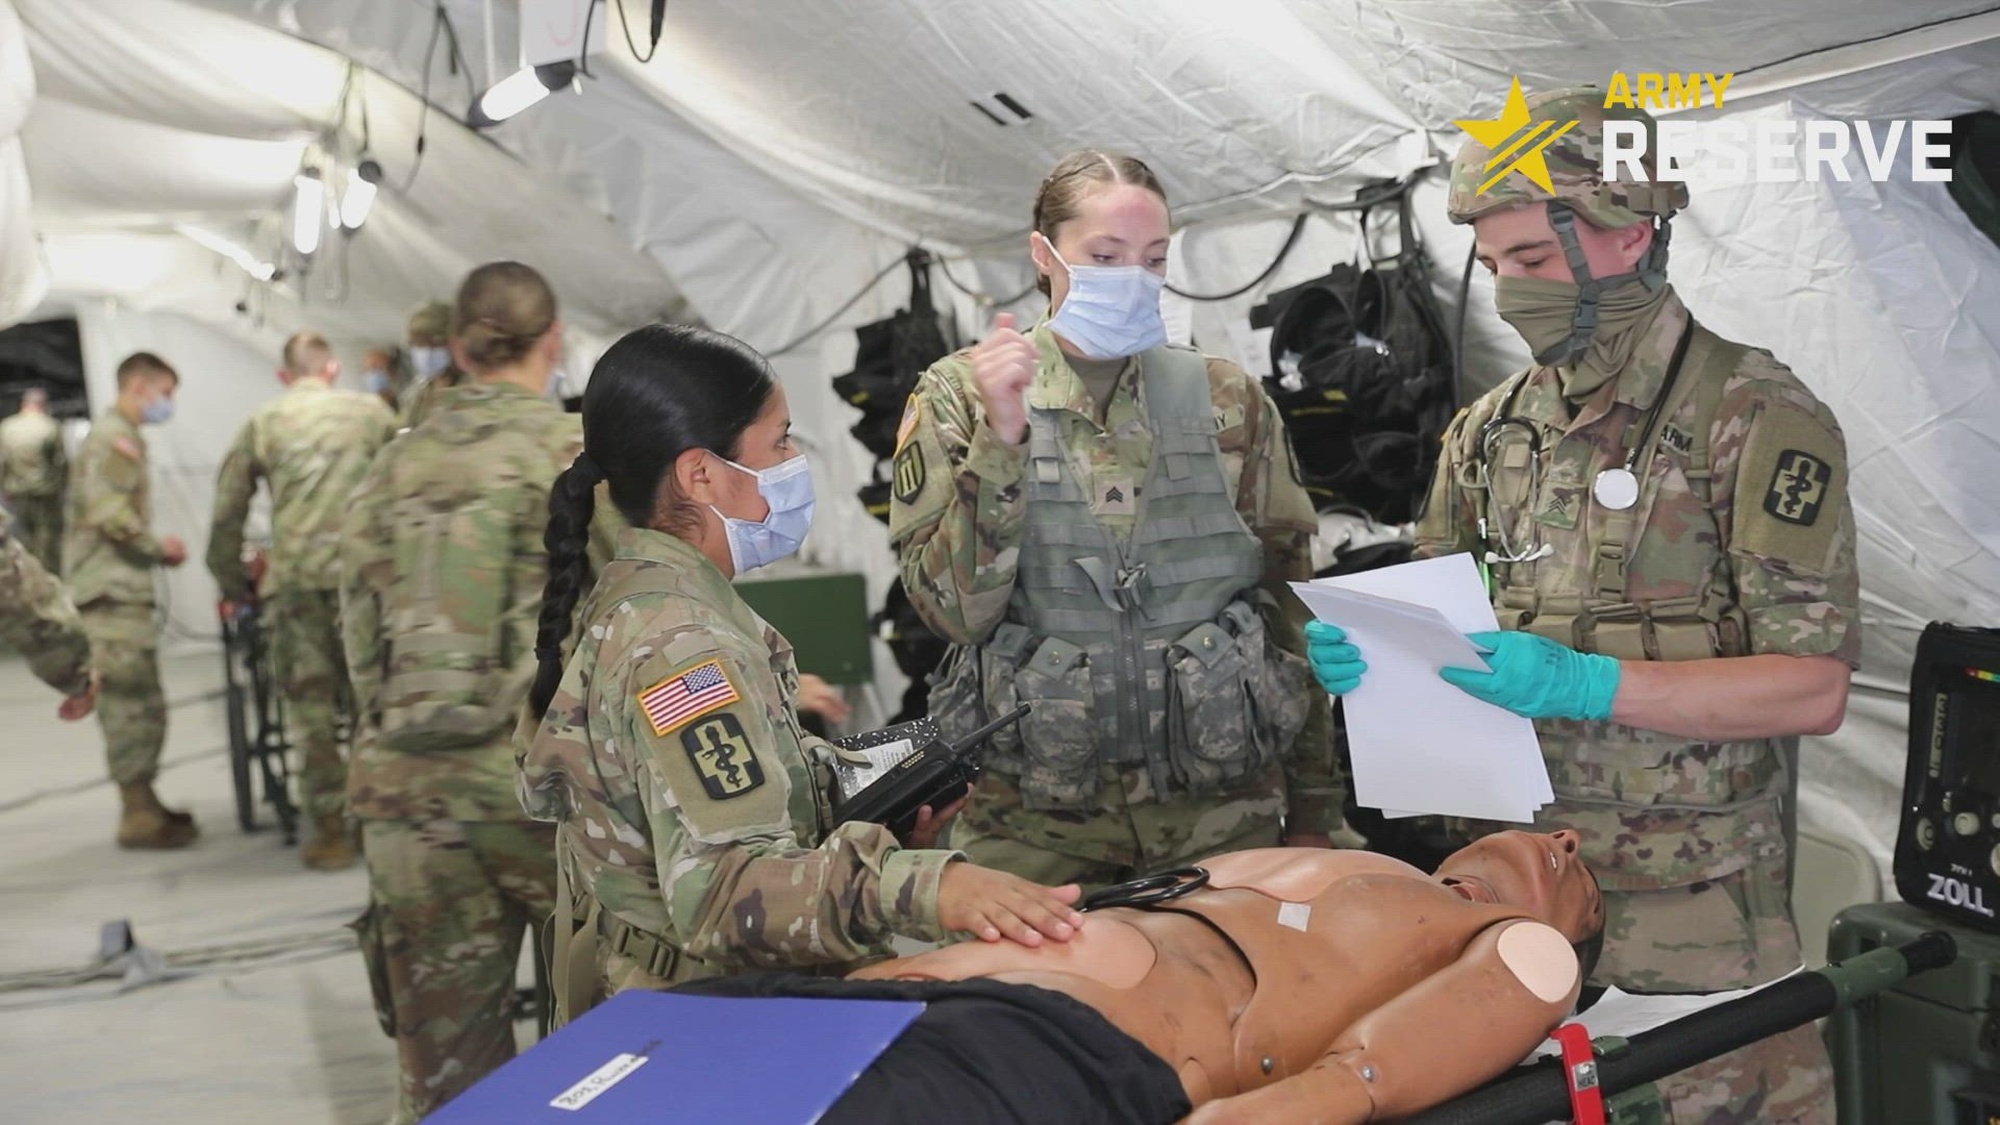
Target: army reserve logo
1798,487
722,757
1512,148
910,472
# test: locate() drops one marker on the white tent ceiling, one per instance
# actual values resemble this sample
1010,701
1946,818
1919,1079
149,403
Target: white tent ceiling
777,154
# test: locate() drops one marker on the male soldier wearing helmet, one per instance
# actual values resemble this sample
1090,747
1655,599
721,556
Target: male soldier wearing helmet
1665,520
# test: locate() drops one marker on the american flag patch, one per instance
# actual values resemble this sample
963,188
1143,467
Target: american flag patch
697,691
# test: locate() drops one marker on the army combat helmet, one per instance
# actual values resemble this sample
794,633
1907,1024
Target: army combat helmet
1574,161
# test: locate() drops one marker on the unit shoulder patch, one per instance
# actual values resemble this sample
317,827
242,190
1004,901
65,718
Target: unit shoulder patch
1798,487
675,701
910,476
722,757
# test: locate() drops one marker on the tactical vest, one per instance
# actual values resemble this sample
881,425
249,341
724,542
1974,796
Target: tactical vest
1146,652
465,484
1596,612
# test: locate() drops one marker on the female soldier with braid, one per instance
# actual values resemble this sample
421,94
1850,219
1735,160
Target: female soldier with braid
694,833
442,576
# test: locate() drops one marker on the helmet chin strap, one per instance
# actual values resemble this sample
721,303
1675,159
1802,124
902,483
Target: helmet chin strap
1650,272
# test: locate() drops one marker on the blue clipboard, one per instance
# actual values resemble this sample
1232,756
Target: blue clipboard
663,1058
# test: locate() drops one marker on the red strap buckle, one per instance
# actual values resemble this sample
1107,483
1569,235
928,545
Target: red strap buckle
1586,1101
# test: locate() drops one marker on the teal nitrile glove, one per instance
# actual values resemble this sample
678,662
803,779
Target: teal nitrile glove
1537,677
1336,663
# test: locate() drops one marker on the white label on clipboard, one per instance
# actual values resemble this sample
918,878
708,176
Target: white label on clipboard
881,759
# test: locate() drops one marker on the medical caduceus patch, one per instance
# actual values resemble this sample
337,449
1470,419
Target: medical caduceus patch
722,757
1798,487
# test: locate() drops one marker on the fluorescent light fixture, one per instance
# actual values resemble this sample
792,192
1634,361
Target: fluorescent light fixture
307,210
518,91
209,240
359,198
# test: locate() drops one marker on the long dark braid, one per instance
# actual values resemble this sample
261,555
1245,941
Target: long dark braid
572,505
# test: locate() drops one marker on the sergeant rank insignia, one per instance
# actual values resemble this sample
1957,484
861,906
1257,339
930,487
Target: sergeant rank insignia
722,757
1798,487
909,466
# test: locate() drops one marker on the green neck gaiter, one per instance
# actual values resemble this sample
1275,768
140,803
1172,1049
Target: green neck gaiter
1544,313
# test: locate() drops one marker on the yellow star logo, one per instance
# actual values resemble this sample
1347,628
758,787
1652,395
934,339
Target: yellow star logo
1496,134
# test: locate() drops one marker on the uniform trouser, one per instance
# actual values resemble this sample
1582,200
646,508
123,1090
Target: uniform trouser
1130,831
451,900
131,705
311,670
1740,924
38,525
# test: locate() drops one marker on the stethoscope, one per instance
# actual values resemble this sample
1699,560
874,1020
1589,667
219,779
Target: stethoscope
1616,488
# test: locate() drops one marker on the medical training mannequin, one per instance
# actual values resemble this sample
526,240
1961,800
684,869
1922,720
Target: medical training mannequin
1297,985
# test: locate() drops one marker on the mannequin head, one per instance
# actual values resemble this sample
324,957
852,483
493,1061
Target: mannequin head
1537,871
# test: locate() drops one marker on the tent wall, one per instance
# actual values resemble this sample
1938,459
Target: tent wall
776,156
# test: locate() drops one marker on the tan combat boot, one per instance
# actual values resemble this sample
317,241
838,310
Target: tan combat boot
145,823
329,849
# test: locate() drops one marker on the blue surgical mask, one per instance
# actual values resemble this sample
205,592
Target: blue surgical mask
377,382
157,411
429,363
1110,311
788,488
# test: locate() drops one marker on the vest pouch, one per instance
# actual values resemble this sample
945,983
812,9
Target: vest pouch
956,694
1211,738
1599,762
441,693
1059,736
1281,689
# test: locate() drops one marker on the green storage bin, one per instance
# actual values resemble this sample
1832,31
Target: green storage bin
1926,1052
825,616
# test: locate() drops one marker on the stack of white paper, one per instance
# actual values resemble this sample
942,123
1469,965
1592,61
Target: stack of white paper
1420,745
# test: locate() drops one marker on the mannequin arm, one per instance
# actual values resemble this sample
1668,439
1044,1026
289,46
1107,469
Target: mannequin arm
1457,1028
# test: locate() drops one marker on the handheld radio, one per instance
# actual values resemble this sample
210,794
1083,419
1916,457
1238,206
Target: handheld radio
911,766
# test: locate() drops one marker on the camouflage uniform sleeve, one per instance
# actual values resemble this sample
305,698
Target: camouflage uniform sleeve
740,887
1272,498
1447,523
109,504
37,619
956,508
366,568
1786,520
235,486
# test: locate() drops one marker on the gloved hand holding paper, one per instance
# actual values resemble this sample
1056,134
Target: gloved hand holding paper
1420,745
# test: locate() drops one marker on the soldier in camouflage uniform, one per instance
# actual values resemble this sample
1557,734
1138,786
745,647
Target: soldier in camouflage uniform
432,369
313,444
32,472
1105,527
1671,544
696,835
109,553
37,619
442,568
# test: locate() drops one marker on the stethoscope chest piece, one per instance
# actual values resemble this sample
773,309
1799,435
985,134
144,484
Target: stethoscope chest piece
1616,489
